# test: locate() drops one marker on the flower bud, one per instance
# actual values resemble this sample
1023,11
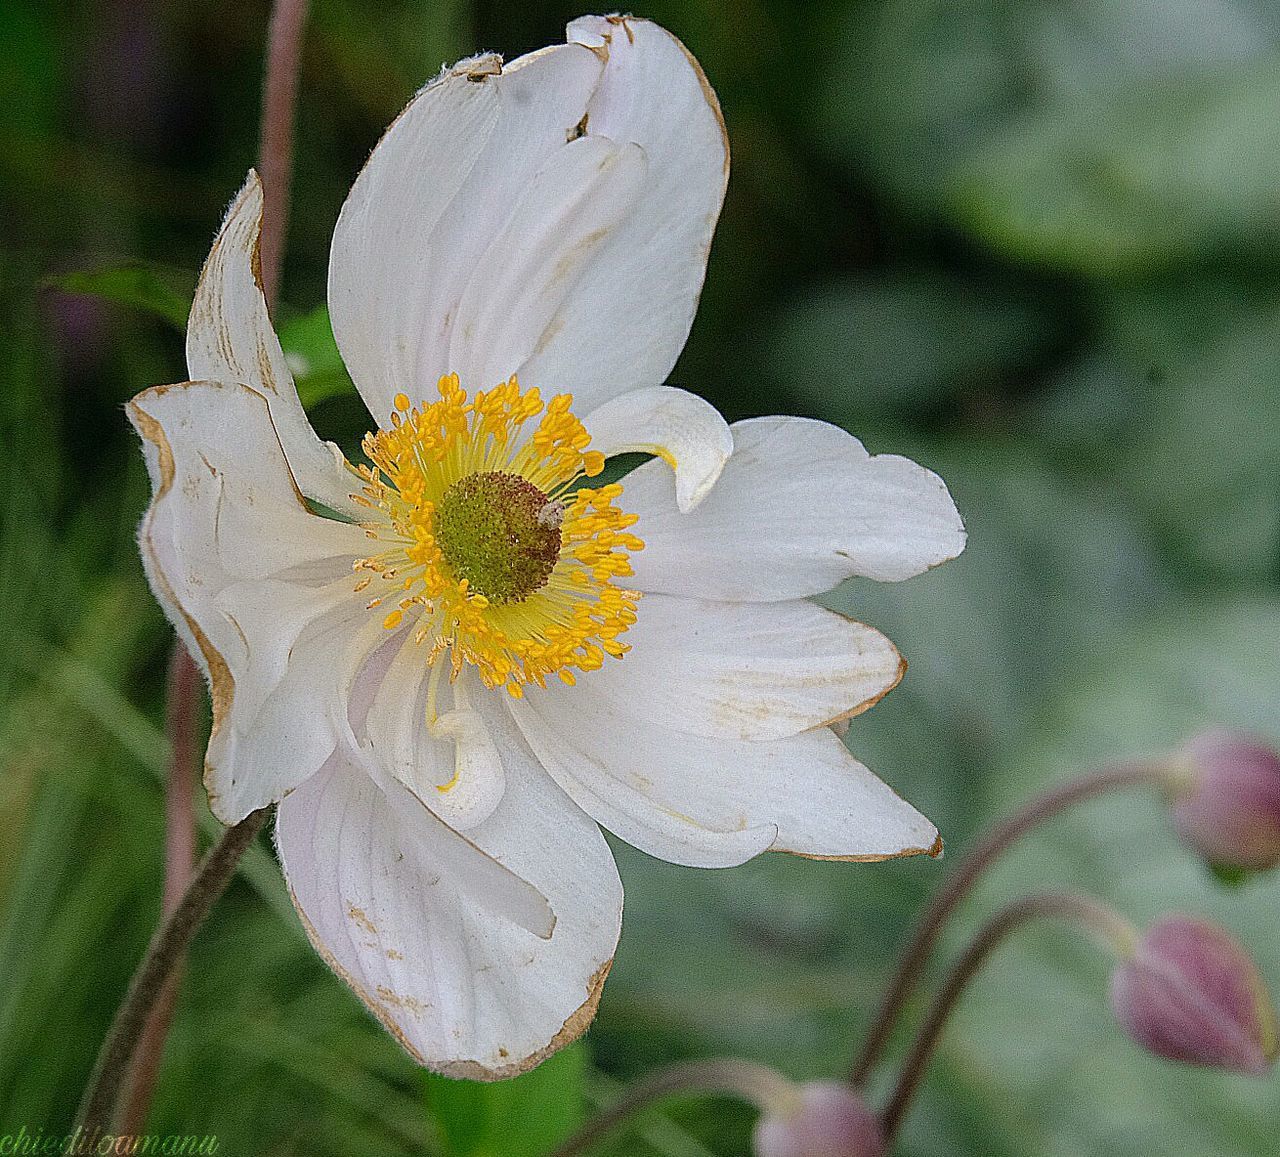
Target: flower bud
1226,801
1191,993
828,1120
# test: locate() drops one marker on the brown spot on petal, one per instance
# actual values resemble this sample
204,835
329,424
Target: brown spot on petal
411,1004
623,22
358,916
479,69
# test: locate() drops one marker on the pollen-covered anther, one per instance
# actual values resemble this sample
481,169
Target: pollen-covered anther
491,532
492,545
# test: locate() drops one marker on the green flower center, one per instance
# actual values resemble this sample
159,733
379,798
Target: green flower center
500,533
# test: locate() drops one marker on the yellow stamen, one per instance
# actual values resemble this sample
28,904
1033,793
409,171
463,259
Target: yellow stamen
573,617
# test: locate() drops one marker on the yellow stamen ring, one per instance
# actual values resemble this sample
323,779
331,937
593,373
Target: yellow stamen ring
490,543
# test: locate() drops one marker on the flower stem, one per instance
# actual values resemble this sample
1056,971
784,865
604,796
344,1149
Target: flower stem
182,706
168,945
988,849
131,1052
757,1084
275,163
1103,922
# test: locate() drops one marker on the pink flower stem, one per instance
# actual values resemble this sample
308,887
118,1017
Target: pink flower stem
756,1084
275,162
180,859
130,1055
1104,923
988,849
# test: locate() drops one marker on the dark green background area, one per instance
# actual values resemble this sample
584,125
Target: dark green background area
1032,243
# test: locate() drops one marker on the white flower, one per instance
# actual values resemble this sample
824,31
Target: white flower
450,688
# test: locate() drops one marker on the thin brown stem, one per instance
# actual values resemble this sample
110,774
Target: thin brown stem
1101,921
757,1084
275,161
180,856
168,945
988,849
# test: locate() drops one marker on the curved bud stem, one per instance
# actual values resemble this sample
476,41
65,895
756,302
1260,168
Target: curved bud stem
168,946
1103,923
768,1090
988,849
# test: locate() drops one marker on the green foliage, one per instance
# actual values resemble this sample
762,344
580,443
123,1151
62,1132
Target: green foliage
1166,169
318,369
523,1117
136,286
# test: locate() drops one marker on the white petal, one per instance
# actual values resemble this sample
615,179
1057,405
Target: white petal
561,220
484,237
626,321
800,506
682,429
610,775
444,753
259,587
748,670
822,801
230,339
436,191
441,950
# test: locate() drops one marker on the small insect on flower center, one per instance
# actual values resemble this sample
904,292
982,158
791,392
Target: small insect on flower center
491,544
500,533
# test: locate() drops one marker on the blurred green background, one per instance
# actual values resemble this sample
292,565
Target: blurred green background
1032,243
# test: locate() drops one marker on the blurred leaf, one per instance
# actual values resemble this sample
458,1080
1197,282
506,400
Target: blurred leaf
1177,409
31,75
522,1117
1132,180
913,87
312,353
139,286
866,347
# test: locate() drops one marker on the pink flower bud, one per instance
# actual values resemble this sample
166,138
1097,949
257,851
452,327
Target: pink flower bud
1227,805
830,1120
1191,993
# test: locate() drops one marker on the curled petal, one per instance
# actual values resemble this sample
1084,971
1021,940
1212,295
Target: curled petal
628,317
445,754
258,586
687,433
